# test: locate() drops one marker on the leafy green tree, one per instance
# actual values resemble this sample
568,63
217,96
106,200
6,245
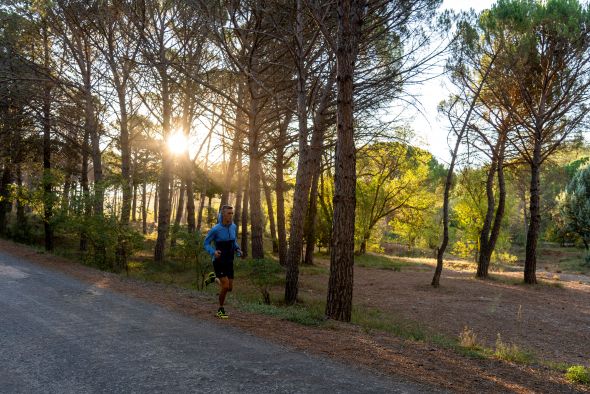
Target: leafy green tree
574,205
542,79
391,181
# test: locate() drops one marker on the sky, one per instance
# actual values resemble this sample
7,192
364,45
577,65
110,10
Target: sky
431,132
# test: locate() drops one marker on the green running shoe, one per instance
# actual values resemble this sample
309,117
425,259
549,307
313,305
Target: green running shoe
210,278
221,314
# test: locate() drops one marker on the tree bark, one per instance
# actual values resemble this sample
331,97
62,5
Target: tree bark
302,178
144,207
311,221
201,207
85,191
239,194
254,200
134,204
5,202
491,231
245,204
271,218
279,191
179,211
485,253
340,284
166,174
530,263
449,180
156,199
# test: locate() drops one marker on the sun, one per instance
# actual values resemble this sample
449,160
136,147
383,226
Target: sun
177,143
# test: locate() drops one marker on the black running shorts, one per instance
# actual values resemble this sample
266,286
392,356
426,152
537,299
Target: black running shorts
223,268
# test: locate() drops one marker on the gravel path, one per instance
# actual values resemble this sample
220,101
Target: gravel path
58,334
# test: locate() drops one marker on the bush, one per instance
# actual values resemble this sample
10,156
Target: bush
190,254
508,352
105,239
264,273
468,338
578,374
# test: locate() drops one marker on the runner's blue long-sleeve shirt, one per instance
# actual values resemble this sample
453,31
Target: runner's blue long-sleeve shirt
221,232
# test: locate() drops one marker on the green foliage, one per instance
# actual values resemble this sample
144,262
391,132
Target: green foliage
392,182
189,254
104,235
468,215
379,262
513,353
578,374
309,315
574,206
263,273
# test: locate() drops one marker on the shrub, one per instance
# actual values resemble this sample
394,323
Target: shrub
511,352
578,374
190,254
468,338
264,273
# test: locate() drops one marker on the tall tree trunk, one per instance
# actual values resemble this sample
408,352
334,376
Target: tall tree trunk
449,180
235,154
65,198
211,216
144,208
311,221
530,263
280,192
127,181
204,191
179,211
187,171
47,176
339,299
239,194
484,256
5,202
227,185
86,203
254,200
271,218
166,174
309,165
501,208
302,178
491,231
201,207
134,204
190,198
245,204
21,219
156,200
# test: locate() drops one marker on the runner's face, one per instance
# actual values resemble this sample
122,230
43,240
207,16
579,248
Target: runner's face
228,216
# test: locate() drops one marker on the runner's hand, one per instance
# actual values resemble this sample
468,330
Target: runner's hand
217,254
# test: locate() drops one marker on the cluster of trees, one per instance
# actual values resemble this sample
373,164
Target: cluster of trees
280,104
522,72
285,90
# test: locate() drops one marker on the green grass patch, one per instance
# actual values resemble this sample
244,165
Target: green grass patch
574,265
314,270
380,262
513,353
578,374
308,315
374,319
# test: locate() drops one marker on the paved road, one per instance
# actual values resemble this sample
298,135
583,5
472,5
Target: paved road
59,335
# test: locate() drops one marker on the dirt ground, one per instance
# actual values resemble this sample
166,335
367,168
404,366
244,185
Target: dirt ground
552,321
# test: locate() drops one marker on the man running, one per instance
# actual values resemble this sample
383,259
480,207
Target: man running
223,234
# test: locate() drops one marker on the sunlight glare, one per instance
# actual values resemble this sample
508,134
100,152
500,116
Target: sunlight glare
177,143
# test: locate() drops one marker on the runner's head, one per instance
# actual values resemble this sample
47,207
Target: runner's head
227,214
